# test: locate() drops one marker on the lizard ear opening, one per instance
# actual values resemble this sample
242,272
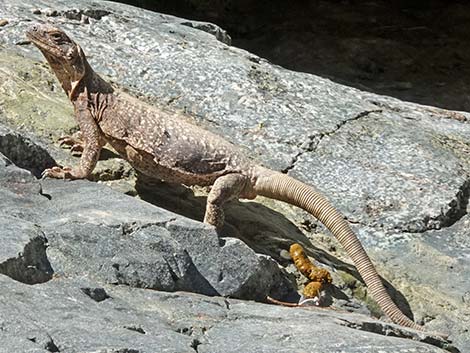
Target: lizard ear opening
77,59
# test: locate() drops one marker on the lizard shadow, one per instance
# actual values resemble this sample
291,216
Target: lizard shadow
265,230
107,154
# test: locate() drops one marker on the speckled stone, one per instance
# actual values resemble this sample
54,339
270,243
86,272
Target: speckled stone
399,171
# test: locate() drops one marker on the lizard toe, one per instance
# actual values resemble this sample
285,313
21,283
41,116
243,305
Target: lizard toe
57,173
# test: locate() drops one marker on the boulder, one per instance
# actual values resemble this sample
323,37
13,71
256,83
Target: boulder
400,172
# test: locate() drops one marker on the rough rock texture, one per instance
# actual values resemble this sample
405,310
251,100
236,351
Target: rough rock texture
95,231
97,238
58,317
391,47
400,173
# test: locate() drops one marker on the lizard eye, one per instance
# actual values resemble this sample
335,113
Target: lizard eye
56,36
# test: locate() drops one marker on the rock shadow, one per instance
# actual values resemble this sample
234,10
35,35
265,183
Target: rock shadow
25,153
263,229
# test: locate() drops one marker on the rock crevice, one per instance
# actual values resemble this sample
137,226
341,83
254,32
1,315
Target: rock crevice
381,167
314,140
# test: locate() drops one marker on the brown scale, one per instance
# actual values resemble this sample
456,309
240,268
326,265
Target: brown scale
319,276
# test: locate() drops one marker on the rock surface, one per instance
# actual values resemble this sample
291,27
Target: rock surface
391,47
400,172
101,244
58,316
98,232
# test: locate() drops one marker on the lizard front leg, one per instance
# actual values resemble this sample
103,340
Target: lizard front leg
226,188
93,142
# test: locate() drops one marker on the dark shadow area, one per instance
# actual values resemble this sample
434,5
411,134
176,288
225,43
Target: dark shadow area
107,154
412,50
104,154
263,229
26,154
32,266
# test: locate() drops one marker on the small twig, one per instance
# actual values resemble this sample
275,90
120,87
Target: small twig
278,302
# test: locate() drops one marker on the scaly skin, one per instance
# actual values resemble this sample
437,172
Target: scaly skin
165,145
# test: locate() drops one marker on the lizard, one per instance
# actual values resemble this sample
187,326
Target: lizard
164,144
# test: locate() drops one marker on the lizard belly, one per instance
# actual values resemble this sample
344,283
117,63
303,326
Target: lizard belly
147,164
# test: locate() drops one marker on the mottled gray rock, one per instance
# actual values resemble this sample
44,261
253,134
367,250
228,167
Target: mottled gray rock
211,28
393,163
400,172
58,316
440,272
12,343
92,230
128,241
23,252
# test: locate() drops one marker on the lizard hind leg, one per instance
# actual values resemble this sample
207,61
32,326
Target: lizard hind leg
226,188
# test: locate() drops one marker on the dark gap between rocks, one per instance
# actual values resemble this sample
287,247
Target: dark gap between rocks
194,344
26,154
49,345
97,294
136,329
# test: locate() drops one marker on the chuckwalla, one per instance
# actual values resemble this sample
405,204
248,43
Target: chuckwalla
165,145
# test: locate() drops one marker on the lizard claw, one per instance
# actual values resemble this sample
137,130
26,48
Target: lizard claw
77,149
57,173
73,142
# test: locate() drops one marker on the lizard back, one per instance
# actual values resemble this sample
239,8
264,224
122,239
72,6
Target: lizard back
160,144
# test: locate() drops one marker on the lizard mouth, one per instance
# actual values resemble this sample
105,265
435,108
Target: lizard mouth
38,39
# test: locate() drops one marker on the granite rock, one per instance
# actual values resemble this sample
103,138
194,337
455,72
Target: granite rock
399,172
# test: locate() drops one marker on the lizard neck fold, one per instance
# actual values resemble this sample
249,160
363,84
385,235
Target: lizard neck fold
91,83
95,91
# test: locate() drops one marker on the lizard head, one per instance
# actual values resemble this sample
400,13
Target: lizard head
65,57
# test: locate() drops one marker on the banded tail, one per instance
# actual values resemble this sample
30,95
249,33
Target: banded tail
284,188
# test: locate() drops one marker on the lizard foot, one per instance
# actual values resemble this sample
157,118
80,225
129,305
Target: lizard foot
74,142
58,173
